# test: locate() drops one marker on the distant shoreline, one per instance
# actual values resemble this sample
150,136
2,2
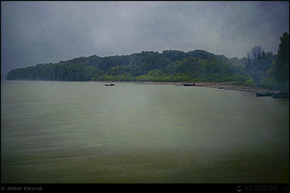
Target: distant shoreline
219,85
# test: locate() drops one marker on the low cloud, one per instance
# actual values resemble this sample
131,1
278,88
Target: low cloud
45,32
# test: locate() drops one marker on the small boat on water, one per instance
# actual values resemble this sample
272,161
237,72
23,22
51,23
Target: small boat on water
189,84
262,94
281,94
109,84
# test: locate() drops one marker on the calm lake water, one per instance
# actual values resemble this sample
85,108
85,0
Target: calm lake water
85,132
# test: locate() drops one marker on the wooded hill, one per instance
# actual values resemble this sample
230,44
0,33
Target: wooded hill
170,65
259,68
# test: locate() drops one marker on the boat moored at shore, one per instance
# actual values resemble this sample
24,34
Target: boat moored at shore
109,84
262,94
189,84
281,94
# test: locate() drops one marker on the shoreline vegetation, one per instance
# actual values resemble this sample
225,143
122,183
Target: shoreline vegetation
260,71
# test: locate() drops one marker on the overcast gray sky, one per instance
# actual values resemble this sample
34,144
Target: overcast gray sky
48,32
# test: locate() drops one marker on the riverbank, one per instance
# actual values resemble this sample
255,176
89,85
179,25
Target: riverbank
220,85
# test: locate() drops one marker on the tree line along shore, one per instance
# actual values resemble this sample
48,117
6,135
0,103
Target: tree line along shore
257,70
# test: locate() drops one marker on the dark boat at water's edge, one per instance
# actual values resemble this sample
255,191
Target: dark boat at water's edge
281,94
109,84
189,84
262,94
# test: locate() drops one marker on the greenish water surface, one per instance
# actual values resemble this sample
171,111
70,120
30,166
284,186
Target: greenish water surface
85,132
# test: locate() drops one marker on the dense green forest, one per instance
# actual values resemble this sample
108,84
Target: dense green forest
259,68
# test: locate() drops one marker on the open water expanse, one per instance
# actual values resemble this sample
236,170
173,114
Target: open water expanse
85,132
